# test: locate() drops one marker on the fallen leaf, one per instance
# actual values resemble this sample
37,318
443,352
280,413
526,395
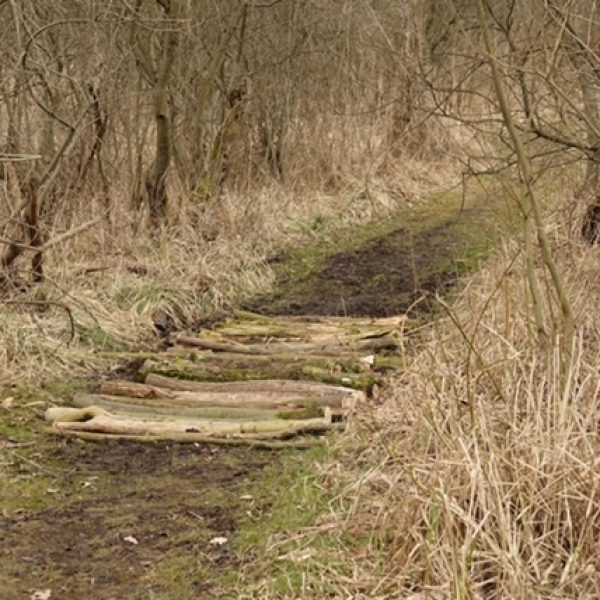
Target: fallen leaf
8,403
130,540
368,360
218,541
246,497
41,595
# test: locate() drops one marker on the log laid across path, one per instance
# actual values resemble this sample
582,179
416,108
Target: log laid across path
252,380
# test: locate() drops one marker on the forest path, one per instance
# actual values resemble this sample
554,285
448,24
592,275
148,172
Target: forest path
166,520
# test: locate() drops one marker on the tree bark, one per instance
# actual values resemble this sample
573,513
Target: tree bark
155,180
591,222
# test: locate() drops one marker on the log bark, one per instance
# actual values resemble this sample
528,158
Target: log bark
66,414
236,367
286,390
345,321
251,395
303,332
183,409
104,422
264,363
191,438
134,390
330,348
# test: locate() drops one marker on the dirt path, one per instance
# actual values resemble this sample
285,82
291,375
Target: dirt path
132,521
388,273
125,520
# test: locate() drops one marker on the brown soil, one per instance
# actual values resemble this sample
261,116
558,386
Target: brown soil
172,499
385,277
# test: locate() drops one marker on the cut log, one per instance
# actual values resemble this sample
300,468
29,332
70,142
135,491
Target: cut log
263,395
195,438
133,389
286,390
205,409
208,343
381,362
330,348
248,331
103,422
179,408
395,321
235,367
65,414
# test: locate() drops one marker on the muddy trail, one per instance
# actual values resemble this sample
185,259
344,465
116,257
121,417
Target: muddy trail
121,523
170,521
387,274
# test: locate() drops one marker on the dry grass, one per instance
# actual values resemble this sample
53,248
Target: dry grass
479,474
117,279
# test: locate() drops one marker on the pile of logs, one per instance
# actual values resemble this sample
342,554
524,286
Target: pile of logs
252,380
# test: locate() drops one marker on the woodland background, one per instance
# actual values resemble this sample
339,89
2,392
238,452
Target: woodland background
157,154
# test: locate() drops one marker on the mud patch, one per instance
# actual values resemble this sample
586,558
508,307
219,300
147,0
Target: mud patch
138,523
387,275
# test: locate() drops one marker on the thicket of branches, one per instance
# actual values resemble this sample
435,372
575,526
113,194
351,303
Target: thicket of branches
136,115
155,106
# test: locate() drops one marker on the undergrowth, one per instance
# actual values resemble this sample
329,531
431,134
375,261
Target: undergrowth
118,285
478,475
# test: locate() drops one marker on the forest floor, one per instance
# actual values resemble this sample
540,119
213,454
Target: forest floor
170,521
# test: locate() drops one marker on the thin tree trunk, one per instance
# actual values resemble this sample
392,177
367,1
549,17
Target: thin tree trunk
155,182
591,222
530,200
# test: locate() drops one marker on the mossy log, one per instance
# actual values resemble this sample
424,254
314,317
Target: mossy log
120,387
181,409
380,362
262,394
347,372
194,438
301,332
324,348
282,390
244,315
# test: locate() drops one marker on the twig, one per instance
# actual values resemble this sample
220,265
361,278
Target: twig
62,305
4,158
54,241
69,234
187,437
33,463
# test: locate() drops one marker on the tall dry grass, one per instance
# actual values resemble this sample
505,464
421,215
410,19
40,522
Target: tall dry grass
478,476
109,286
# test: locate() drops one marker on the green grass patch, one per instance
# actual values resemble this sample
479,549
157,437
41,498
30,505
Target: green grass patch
94,336
278,535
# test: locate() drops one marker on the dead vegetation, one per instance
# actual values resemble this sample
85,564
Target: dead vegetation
478,475
149,182
157,180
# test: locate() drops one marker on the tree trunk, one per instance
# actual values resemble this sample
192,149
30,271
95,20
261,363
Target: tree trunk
155,180
588,82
